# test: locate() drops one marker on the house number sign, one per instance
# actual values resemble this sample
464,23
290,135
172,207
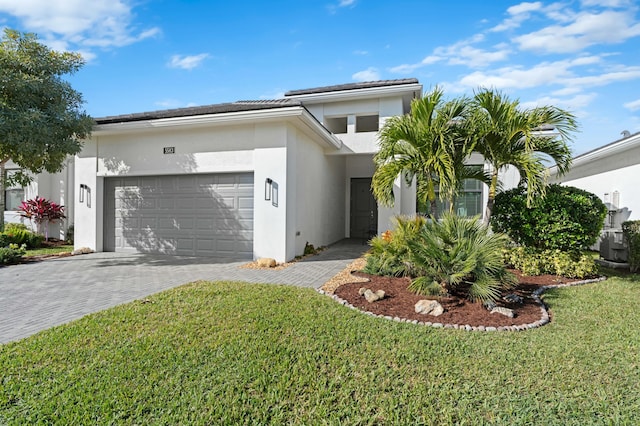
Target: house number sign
169,150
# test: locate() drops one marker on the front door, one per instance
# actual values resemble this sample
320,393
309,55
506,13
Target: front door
364,209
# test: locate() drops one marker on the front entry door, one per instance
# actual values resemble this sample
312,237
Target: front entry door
364,209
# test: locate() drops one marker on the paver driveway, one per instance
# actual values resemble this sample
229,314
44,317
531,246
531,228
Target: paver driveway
40,295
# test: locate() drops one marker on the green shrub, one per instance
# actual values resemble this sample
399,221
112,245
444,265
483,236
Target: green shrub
22,236
11,227
531,261
566,218
460,255
4,240
389,254
631,231
12,254
19,234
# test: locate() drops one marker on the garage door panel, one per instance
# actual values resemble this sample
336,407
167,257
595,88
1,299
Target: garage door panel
202,215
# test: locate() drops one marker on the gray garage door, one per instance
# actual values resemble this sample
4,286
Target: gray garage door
190,215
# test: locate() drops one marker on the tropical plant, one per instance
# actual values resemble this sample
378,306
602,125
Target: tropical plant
389,254
430,145
566,218
41,211
507,135
459,255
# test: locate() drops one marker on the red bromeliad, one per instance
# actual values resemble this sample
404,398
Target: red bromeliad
40,210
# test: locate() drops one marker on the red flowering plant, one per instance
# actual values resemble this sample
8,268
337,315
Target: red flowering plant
40,210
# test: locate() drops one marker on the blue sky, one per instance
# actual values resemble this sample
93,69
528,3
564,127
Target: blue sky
155,54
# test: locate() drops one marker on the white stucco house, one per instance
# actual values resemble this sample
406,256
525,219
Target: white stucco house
241,180
612,172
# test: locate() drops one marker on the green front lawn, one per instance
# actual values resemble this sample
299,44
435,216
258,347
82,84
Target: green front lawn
49,250
236,353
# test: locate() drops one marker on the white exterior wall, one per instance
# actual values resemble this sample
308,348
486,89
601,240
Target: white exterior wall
319,193
614,168
624,180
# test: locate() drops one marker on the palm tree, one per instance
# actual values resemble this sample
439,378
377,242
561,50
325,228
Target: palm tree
427,144
525,139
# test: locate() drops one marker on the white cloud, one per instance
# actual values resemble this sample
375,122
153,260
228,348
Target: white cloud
575,103
344,3
561,73
78,24
587,29
367,75
633,105
519,13
461,53
360,52
187,62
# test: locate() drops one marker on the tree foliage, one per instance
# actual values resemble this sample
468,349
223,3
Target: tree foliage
565,218
507,135
41,117
430,144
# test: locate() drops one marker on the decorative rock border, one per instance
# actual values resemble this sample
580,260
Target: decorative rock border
545,318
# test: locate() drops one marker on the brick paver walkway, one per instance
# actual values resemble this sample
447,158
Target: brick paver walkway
40,295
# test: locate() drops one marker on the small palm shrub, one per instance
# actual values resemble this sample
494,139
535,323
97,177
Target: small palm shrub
530,261
459,255
389,254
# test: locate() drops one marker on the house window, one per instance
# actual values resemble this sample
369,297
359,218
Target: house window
367,123
467,204
336,125
13,195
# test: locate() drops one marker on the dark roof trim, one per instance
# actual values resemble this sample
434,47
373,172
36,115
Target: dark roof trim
239,106
352,86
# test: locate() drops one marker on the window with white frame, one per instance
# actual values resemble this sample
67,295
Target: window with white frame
13,195
467,204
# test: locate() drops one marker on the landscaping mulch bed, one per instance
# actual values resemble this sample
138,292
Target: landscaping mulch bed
400,302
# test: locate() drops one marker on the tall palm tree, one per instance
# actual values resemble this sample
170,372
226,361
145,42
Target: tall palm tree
425,144
523,138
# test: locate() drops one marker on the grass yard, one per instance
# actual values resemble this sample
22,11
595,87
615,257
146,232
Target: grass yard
49,250
235,353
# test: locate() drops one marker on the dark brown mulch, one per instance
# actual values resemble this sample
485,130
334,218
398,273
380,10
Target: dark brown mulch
400,302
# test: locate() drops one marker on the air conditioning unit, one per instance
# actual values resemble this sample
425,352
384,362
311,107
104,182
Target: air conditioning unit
613,246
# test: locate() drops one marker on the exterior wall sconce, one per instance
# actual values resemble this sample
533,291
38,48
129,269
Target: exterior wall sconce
85,188
268,189
82,188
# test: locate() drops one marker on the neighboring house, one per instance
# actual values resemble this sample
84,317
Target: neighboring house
57,187
612,172
241,180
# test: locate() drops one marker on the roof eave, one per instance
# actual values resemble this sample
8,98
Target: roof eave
221,119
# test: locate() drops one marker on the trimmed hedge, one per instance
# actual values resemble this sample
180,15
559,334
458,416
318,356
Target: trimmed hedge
566,218
631,231
555,262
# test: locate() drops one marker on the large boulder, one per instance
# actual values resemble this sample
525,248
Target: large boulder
429,307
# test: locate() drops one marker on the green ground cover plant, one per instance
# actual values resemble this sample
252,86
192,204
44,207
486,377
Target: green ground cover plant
237,353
